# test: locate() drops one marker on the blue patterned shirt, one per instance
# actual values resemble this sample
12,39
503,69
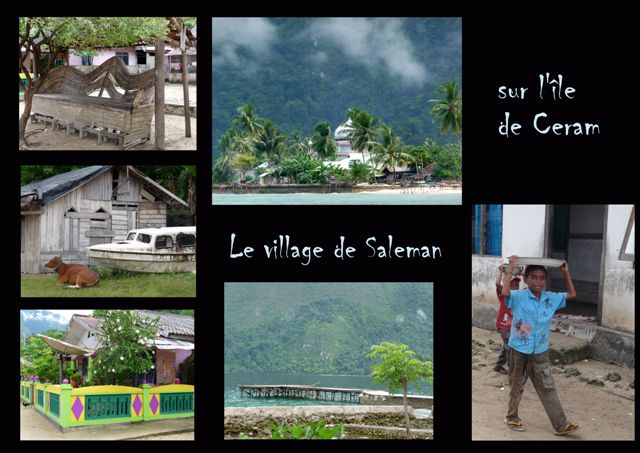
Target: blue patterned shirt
531,323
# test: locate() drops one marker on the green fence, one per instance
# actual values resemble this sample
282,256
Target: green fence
107,406
102,404
176,403
40,398
54,404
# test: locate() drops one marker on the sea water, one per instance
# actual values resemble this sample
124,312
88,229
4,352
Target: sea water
342,198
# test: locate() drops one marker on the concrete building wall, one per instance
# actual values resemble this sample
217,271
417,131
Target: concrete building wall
523,230
618,292
484,270
104,55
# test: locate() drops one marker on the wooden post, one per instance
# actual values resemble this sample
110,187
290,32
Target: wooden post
61,357
159,62
185,81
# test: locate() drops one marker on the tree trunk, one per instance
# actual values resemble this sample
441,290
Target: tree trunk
406,407
192,199
159,62
24,118
185,84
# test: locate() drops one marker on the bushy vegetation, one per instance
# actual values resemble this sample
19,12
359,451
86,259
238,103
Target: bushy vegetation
322,327
311,430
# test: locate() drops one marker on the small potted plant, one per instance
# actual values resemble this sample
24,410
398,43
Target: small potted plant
76,378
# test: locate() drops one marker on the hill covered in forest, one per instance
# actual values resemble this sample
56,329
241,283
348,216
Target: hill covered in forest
322,327
298,72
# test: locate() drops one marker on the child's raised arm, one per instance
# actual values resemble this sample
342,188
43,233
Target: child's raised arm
571,290
499,277
506,290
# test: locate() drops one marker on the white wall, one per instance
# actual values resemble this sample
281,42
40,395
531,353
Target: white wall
523,230
619,276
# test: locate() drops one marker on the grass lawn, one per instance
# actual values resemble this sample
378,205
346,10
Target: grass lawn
113,284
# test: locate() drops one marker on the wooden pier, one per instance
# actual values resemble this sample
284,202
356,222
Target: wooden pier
342,395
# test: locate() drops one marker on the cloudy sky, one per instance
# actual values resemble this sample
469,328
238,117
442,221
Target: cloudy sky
66,314
371,42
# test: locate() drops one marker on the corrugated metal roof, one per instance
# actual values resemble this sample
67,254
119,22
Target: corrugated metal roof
170,323
52,188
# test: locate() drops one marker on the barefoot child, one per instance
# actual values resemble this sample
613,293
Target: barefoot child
529,343
503,323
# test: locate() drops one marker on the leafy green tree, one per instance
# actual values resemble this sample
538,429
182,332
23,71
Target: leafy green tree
30,173
397,367
448,109
41,359
390,150
244,163
323,143
187,182
124,347
359,171
448,160
49,38
421,156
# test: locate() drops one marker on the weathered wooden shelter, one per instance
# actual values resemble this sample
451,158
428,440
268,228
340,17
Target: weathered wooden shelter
107,102
64,214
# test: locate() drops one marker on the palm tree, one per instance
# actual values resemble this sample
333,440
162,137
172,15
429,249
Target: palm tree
270,142
247,120
298,145
449,109
391,150
323,143
364,130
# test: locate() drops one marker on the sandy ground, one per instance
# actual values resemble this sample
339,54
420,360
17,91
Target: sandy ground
412,191
39,137
603,413
35,426
180,436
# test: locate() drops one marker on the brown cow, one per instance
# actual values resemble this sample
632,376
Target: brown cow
77,274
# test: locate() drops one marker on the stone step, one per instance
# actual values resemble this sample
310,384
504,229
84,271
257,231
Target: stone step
565,349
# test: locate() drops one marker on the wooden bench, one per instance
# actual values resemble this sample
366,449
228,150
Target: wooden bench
108,98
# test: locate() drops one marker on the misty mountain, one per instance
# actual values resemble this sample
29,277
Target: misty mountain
38,321
300,71
322,327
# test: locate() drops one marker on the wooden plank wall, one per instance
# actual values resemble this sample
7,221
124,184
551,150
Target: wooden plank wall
30,244
128,188
122,221
65,236
152,214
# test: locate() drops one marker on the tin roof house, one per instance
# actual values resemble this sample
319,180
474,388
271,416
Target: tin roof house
65,214
173,346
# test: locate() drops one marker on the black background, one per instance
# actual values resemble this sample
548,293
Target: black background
597,54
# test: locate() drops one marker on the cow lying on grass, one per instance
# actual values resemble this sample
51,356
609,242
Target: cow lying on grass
78,275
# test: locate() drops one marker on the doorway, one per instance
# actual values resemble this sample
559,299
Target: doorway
576,234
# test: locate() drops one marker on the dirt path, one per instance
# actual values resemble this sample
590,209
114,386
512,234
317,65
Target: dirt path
603,413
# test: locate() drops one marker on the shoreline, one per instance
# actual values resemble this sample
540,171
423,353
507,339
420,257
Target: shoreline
354,190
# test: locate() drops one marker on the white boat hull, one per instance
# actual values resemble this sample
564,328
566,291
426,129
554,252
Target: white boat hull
144,262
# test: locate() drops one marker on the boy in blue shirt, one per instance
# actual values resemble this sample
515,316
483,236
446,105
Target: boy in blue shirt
532,310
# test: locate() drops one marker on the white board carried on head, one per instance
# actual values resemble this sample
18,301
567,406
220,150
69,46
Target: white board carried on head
546,262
